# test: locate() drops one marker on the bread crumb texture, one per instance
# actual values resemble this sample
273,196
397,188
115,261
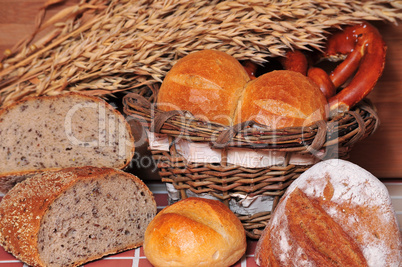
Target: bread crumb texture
69,217
68,130
334,214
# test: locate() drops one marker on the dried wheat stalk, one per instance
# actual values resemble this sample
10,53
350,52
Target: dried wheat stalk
101,47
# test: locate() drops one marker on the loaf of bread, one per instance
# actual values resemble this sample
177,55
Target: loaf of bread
54,132
334,214
195,232
214,86
282,99
75,215
207,83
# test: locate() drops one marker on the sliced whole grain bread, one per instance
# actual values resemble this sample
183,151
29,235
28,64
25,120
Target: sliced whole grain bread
75,215
55,132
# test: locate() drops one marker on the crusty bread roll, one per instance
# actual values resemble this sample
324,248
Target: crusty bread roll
75,215
282,99
195,232
334,214
53,132
207,83
214,86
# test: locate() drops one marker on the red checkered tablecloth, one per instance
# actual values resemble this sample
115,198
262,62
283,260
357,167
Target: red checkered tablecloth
134,257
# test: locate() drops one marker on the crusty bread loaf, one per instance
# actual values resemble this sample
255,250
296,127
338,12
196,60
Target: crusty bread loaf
54,132
195,232
214,86
282,99
74,215
207,83
334,214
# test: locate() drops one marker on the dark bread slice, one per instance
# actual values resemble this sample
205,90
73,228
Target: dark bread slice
55,132
72,216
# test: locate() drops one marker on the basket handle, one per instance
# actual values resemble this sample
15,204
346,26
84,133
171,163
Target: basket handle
319,138
227,134
161,117
368,107
135,100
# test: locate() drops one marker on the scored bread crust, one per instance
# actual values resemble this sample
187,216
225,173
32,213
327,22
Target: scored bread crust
282,99
207,83
195,232
10,176
24,206
334,214
214,86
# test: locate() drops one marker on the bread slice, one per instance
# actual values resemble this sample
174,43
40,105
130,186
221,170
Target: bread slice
72,216
55,132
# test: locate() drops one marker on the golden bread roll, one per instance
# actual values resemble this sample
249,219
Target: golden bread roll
207,83
215,87
282,99
195,232
334,214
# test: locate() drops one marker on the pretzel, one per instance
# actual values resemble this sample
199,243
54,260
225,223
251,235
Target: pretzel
362,50
365,52
295,60
322,79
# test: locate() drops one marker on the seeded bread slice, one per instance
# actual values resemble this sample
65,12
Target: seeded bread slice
75,215
55,132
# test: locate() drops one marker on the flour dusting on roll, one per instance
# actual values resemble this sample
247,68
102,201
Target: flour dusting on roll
334,214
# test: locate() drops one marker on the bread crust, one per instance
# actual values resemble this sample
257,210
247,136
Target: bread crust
11,177
282,99
206,83
334,214
195,232
23,207
214,86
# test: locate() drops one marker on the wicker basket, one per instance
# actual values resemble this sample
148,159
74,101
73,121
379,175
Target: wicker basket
325,139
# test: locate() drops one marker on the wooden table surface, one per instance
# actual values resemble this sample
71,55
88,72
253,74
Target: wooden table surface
380,154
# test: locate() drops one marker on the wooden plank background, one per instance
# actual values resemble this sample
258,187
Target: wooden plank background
380,154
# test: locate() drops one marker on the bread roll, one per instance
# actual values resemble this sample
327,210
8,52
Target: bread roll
75,215
282,99
207,83
214,86
334,214
195,232
54,132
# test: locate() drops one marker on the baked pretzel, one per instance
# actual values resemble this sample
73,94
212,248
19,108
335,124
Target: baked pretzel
365,50
362,50
295,60
323,80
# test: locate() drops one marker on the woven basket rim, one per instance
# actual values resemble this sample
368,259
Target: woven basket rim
343,130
